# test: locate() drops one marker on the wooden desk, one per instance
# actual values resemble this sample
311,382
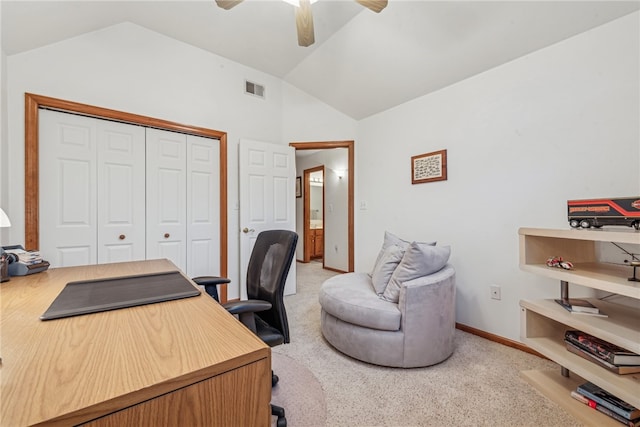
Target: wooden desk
185,362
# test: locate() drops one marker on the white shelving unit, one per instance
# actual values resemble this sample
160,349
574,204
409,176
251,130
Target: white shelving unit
543,322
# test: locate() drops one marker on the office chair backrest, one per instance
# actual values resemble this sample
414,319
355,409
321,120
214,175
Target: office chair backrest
267,272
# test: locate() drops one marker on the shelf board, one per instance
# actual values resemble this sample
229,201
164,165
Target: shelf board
626,387
606,277
558,388
621,328
620,235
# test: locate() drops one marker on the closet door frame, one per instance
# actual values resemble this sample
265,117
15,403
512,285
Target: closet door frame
32,104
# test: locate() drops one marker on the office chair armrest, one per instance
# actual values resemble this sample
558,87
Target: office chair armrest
246,309
247,306
210,284
210,280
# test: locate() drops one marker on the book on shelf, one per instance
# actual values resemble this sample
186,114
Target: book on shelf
593,404
580,309
605,350
585,354
608,400
578,305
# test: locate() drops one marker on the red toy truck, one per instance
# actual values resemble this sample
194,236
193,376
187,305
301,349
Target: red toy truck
598,212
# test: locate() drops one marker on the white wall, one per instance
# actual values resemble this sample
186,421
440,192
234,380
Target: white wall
560,123
305,119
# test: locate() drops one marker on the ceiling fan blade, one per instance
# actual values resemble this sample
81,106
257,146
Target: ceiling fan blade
228,4
304,24
374,5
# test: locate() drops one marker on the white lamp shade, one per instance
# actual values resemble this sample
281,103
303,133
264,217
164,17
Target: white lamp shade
4,219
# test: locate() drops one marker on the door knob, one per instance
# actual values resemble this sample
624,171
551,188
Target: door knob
166,235
248,230
121,237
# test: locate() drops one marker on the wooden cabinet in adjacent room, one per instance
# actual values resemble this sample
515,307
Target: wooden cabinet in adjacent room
316,242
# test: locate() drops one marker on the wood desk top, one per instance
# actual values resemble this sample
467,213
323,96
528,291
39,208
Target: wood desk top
76,369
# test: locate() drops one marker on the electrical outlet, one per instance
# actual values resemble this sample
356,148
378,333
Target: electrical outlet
495,292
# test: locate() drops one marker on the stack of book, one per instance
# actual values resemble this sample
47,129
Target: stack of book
26,257
603,353
580,306
600,400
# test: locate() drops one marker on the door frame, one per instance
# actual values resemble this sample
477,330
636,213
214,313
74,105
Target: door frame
32,104
306,209
349,145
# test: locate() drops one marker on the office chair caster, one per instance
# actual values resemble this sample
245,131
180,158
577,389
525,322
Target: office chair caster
274,379
279,412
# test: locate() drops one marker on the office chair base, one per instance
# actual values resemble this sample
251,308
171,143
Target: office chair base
278,411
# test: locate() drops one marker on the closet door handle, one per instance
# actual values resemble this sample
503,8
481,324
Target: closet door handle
122,237
166,235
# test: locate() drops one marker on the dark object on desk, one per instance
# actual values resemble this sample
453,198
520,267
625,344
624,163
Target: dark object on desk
22,269
264,311
16,266
4,268
92,296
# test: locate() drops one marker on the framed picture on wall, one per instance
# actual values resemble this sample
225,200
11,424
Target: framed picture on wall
429,167
299,186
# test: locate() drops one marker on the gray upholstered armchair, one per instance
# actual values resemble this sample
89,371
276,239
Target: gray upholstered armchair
409,324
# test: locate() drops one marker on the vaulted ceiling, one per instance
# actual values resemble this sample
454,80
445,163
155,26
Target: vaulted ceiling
361,63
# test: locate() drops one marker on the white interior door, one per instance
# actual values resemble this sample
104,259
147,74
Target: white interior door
166,199
67,155
203,206
121,191
267,198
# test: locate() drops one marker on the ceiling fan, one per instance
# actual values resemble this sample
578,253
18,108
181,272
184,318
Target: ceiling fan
304,19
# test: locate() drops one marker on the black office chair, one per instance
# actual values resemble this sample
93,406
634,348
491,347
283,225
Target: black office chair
264,311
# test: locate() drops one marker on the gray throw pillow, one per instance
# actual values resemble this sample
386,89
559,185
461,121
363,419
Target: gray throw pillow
419,260
385,266
391,239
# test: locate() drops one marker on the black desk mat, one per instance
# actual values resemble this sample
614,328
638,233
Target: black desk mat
92,296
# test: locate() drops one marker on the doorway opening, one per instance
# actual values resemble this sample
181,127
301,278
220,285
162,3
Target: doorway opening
346,174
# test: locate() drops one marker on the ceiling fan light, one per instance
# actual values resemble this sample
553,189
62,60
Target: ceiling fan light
296,3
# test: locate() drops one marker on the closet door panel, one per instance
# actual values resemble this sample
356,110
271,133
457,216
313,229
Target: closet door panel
166,196
121,192
203,210
67,189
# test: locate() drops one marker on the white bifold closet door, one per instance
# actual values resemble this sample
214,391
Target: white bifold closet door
182,201
113,192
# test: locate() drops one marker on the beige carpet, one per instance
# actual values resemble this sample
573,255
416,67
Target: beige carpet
299,392
478,385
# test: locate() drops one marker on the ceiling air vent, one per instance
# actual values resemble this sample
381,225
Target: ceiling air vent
253,88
